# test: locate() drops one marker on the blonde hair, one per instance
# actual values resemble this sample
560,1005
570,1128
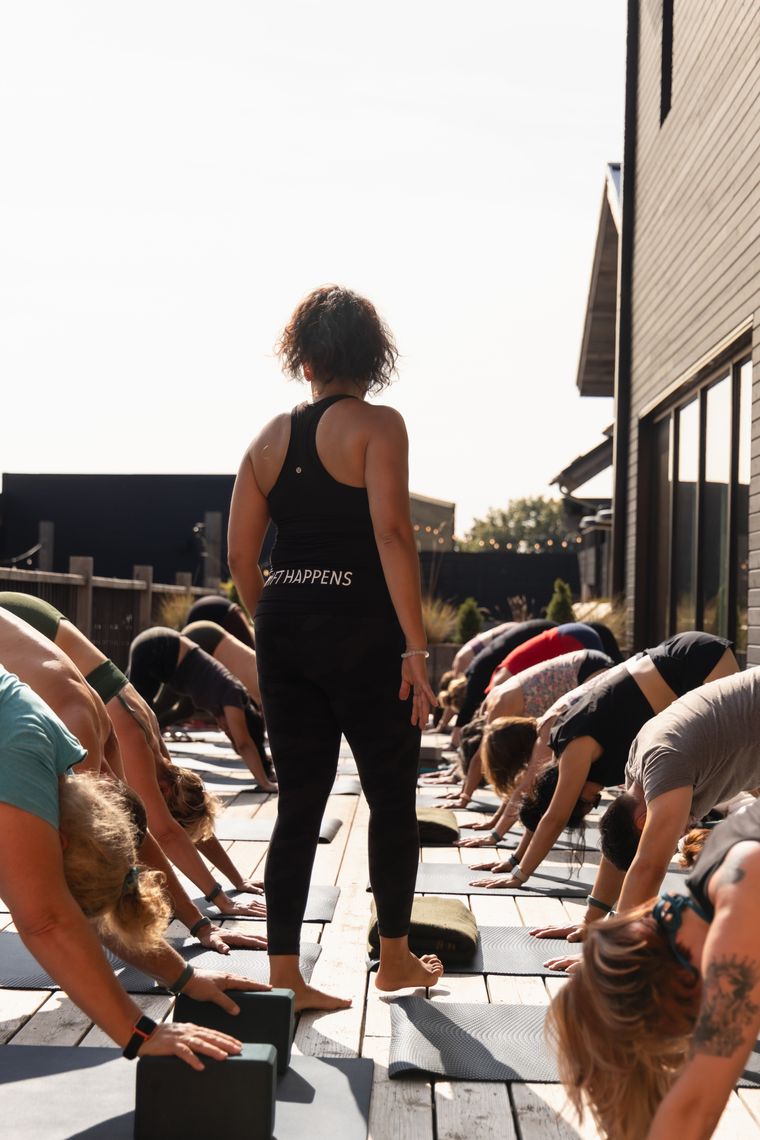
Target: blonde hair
691,845
453,696
98,858
506,749
189,801
622,1024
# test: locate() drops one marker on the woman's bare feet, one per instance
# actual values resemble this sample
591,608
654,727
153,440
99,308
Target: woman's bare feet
285,973
409,971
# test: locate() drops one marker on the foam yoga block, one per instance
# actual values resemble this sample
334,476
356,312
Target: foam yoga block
56,1092
174,1102
265,1018
445,927
437,826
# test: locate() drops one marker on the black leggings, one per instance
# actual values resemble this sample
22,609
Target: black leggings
321,675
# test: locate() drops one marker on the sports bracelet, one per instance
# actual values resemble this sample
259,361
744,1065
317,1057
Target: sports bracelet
204,921
141,1031
215,890
495,835
519,874
416,653
591,901
178,986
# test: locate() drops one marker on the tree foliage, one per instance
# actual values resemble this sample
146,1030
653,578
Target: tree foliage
523,523
469,620
560,608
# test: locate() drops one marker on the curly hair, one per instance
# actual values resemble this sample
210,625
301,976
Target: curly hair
506,749
341,337
189,801
691,845
99,859
622,1024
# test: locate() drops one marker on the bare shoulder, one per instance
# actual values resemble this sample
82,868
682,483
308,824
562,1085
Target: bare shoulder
272,435
385,421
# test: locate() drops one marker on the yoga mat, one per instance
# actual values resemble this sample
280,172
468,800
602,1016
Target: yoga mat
346,786
20,971
207,768
469,1042
486,803
509,950
552,879
64,1093
260,830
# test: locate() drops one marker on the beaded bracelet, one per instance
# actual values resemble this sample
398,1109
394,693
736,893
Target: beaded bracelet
416,653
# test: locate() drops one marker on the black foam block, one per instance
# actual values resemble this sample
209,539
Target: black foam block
55,1092
232,829
20,971
174,1101
469,1042
266,1018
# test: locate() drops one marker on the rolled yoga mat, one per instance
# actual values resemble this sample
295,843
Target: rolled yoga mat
230,828
559,880
20,971
63,1093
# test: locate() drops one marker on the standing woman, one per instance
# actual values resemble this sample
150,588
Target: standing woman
339,633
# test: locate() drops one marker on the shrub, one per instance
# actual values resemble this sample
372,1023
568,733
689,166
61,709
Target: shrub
560,608
173,610
439,618
469,620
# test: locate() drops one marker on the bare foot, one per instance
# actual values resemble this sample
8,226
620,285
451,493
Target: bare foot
411,971
309,998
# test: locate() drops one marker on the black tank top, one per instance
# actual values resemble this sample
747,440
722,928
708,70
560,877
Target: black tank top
325,557
738,828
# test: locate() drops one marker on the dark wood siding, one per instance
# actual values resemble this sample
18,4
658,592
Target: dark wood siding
696,264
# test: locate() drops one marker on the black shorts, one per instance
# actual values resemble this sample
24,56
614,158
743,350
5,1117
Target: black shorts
685,660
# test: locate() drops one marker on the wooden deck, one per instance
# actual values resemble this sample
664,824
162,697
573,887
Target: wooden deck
401,1109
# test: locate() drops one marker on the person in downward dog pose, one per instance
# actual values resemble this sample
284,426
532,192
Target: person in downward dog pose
656,1025
339,633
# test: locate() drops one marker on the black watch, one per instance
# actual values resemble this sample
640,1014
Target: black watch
141,1031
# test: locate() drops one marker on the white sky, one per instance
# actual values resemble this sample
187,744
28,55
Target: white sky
174,176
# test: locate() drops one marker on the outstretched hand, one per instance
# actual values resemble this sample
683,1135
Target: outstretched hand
573,932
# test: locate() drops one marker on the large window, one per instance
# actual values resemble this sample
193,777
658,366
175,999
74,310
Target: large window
700,466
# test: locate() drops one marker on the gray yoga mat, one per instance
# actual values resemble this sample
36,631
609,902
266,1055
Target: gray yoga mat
484,802
346,786
20,971
469,1042
555,879
508,950
208,770
232,828
64,1093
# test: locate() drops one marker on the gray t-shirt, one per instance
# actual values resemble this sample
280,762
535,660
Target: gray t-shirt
708,739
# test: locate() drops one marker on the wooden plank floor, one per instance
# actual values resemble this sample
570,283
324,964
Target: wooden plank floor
401,1109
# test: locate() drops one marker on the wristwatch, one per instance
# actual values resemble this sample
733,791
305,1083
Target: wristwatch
141,1031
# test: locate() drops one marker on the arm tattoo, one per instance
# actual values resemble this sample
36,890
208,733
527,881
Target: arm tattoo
726,1009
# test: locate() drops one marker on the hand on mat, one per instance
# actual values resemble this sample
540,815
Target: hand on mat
574,932
209,985
268,786
570,965
240,941
184,1040
230,908
211,938
498,884
476,841
500,868
251,887
481,825
447,777
455,795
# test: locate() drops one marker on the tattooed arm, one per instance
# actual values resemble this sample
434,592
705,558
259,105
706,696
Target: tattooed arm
729,1014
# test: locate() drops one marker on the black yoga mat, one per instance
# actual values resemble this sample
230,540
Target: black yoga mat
64,1093
469,1042
20,971
231,828
485,802
320,905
